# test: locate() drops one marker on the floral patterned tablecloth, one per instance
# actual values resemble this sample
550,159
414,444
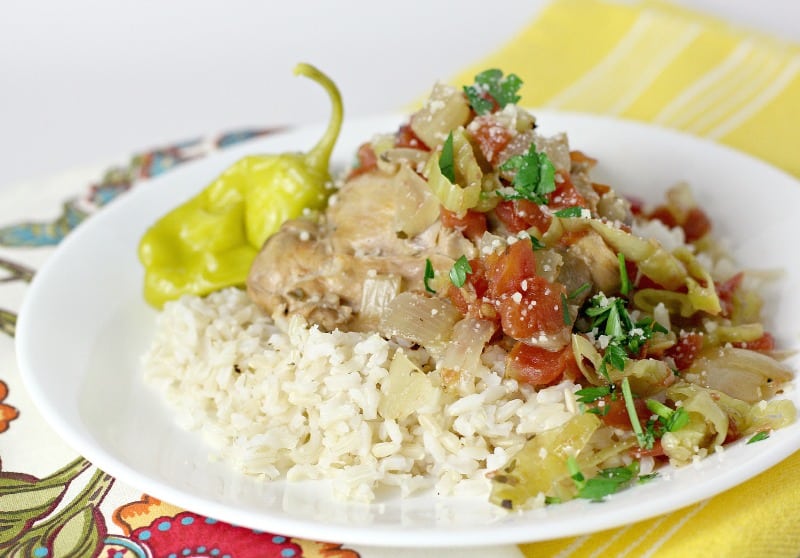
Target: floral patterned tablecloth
54,503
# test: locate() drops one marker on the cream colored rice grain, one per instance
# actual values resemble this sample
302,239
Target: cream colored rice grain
286,400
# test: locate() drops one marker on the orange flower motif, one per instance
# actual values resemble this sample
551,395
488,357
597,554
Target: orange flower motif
7,412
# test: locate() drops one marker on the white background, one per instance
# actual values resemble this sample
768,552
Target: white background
86,82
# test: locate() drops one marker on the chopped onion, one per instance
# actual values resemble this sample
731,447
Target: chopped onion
741,373
421,319
377,293
405,390
463,353
446,109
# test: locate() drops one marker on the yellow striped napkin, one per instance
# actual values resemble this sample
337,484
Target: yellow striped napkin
660,64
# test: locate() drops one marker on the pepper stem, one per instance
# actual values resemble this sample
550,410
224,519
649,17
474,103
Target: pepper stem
319,157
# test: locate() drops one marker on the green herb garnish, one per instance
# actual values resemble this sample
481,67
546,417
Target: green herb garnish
429,274
646,438
625,282
492,83
459,271
606,482
610,317
574,211
593,393
446,160
758,437
672,419
580,290
535,176
565,310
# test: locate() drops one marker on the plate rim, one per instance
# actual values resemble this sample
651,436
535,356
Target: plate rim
508,534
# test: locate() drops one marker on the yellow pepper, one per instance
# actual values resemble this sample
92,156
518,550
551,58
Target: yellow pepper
210,242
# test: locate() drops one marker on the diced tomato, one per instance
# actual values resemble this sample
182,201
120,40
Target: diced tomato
697,224
367,160
733,433
469,299
686,349
656,451
582,158
615,413
764,343
571,237
405,137
492,137
533,310
663,214
472,225
520,215
637,205
565,194
506,273
539,367
726,291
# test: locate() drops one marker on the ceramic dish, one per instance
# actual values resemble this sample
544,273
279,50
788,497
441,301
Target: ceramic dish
84,326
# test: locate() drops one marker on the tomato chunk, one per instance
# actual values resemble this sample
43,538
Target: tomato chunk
520,215
405,137
686,349
472,225
764,343
539,367
507,272
367,160
534,310
614,412
491,137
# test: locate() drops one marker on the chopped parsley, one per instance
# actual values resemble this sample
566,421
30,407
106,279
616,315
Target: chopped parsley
535,176
429,274
459,271
671,419
625,282
610,317
500,90
758,437
579,291
646,438
593,393
565,310
606,482
574,211
446,160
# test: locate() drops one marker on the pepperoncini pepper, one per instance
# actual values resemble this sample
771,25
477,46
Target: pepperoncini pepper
210,241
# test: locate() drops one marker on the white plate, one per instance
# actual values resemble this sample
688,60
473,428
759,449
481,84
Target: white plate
84,325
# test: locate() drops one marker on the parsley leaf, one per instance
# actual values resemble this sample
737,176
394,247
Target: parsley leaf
446,160
625,282
501,89
535,176
574,211
593,393
429,274
606,482
459,271
646,439
580,290
758,437
565,310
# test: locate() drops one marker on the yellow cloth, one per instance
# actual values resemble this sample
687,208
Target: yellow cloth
656,63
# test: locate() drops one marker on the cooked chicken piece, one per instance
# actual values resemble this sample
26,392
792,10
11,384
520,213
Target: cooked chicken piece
601,261
317,268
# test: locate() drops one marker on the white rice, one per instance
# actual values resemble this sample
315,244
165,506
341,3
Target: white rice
286,400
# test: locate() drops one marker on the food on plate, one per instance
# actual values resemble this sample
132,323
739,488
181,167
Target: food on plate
472,313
